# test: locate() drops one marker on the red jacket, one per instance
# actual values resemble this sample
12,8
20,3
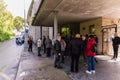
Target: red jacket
88,51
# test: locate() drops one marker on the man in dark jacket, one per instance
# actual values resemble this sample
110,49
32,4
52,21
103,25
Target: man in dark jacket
57,48
116,41
44,39
48,44
30,43
75,52
84,43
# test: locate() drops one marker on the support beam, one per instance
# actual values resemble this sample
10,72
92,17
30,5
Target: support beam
41,32
55,25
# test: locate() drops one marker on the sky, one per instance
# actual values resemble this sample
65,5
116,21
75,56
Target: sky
17,7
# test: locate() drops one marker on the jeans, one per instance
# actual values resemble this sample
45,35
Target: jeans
57,62
115,49
30,48
44,48
39,49
62,56
91,63
48,52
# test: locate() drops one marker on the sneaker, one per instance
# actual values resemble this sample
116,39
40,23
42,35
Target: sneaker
112,58
93,71
88,72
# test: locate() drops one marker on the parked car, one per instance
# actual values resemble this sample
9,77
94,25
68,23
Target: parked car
19,40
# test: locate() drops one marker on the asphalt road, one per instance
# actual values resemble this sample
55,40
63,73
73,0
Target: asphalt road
9,55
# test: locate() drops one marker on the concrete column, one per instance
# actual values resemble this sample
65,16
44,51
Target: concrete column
41,31
55,25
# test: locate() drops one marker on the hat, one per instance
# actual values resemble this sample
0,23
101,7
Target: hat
91,36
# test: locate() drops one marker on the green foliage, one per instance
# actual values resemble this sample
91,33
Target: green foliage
6,22
18,22
4,35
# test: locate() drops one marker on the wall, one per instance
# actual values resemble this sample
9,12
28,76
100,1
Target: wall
34,31
84,29
47,31
98,23
33,10
110,21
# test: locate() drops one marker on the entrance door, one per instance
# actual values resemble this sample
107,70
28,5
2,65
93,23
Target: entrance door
108,35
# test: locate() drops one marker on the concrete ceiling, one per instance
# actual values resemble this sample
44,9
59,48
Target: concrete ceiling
73,11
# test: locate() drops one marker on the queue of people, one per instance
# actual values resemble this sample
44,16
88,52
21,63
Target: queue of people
74,47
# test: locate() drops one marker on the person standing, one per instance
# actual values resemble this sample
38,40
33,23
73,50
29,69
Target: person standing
96,40
44,46
57,48
30,42
39,46
90,55
84,43
53,42
75,52
48,43
63,47
116,42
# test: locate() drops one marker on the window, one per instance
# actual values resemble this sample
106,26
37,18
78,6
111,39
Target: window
92,29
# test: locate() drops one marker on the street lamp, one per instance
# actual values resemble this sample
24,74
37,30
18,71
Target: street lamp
24,16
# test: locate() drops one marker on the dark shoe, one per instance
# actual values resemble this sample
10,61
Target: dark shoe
62,62
55,66
39,55
76,71
59,67
72,70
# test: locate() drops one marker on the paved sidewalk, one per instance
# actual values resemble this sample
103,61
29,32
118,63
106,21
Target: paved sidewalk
33,67
106,69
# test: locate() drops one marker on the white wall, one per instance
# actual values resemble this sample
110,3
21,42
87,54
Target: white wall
34,31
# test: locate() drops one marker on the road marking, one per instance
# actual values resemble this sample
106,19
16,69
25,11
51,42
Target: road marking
5,76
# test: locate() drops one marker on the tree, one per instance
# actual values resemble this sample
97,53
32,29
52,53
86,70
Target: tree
18,22
2,11
6,22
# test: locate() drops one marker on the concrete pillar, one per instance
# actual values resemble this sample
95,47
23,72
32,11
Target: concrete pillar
41,31
55,25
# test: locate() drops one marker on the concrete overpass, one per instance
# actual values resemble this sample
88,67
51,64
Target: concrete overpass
90,14
75,10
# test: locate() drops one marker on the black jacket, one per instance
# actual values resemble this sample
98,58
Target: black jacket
76,46
57,46
84,44
116,41
30,42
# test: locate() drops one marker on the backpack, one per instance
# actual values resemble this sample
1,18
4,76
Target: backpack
119,41
94,48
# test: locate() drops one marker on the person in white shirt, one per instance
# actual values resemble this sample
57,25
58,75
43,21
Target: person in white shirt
39,43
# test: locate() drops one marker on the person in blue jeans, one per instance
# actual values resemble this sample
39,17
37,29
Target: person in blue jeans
57,48
63,47
91,64
90,55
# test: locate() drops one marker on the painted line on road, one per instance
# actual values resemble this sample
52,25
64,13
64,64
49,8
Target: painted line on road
5,76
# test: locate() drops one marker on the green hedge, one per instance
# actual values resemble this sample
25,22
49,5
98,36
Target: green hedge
5,36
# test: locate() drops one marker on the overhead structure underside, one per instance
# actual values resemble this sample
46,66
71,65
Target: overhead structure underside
74,11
